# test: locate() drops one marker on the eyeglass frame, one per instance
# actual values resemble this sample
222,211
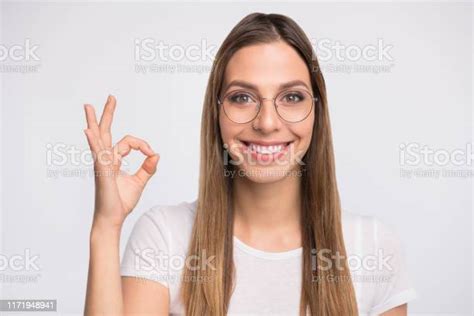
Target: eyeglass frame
259,105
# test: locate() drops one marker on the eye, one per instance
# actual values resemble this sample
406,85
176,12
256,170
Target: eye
293,97
241,98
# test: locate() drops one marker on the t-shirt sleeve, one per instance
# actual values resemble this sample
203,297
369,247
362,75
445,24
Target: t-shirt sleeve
394,286
147,249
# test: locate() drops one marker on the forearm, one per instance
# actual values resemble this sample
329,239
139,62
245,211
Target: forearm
104,288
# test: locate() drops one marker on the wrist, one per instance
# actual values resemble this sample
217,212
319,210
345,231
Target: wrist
101,227
108,222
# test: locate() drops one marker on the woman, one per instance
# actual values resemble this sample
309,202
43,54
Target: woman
266,234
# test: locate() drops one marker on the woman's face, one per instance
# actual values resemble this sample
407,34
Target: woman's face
268,147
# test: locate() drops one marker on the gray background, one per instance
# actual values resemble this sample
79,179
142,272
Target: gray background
422,96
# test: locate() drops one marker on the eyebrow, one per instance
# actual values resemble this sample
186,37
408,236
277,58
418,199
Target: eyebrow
249,85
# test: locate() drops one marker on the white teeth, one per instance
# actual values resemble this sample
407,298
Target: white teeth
266,149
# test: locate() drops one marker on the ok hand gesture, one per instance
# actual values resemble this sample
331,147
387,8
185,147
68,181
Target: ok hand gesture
116,192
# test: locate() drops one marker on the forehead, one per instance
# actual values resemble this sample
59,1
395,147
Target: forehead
267,65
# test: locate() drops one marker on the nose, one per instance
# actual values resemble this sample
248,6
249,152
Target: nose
267,119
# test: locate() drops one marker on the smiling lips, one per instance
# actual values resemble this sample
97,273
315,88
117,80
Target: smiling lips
265,151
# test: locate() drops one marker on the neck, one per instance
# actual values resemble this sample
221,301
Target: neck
267,207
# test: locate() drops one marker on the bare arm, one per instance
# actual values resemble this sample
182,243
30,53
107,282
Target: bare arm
104,290
144,297
116,194
138,296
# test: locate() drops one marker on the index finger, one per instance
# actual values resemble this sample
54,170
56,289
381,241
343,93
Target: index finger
106,120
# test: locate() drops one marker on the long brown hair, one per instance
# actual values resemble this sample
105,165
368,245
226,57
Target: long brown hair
323,292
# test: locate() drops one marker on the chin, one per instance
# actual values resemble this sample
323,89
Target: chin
268,174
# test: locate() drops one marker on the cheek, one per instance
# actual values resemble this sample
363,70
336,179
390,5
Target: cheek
224,127
228,128
229,132
305,130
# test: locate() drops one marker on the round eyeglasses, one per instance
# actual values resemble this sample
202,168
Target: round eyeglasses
293,105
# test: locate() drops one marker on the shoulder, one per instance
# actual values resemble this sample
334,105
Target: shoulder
166,227
383,282
160,234
367,232
358,231
171,215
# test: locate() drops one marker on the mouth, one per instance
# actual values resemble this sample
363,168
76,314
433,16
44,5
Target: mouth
265,151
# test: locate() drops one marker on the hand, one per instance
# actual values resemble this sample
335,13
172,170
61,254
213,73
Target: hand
116,192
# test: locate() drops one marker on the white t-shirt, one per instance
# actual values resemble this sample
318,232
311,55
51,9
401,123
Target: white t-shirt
269,282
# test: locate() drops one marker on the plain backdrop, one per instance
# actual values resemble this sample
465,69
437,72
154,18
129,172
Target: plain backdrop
415,88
